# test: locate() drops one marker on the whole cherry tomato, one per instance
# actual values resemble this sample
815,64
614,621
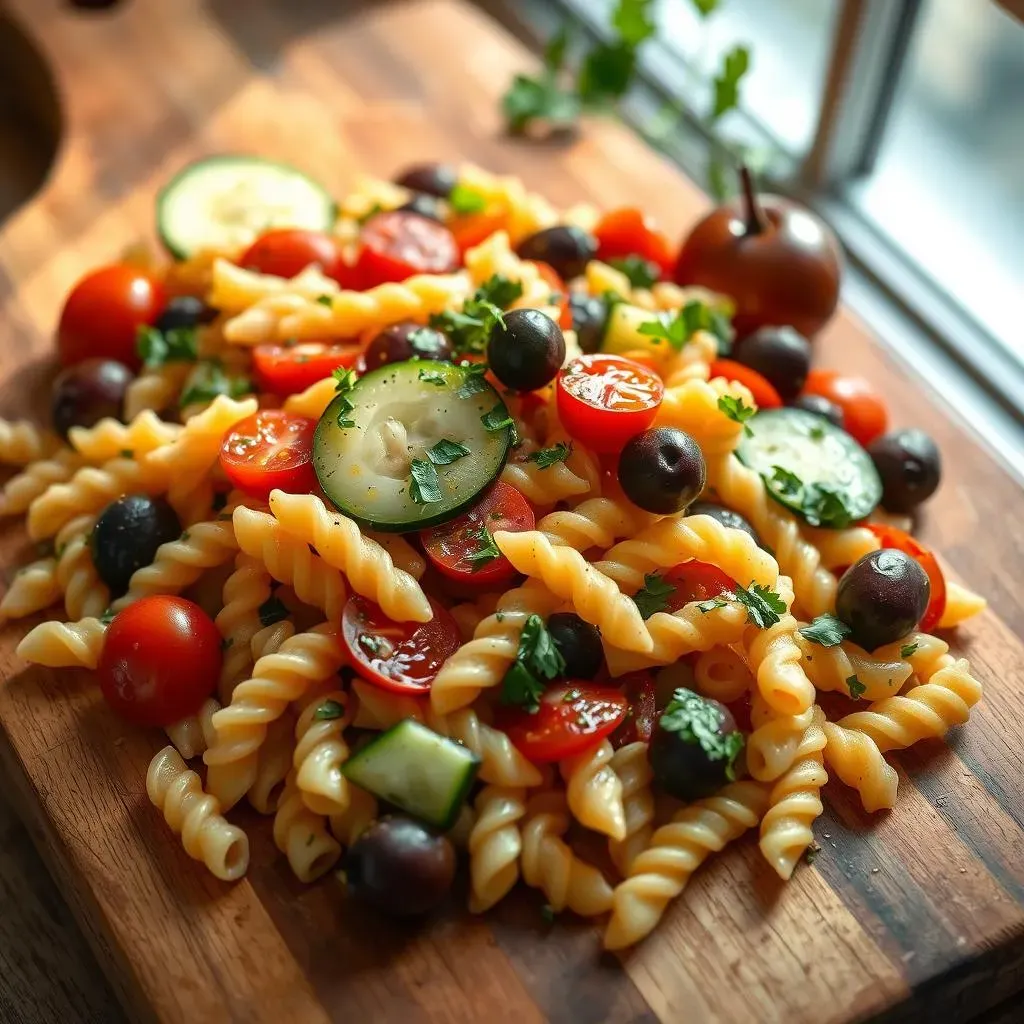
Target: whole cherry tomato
269,450
397,244
864,413
286,252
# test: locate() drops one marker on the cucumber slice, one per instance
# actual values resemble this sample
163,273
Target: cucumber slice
622,331
414,768
393,420
224,202
812,467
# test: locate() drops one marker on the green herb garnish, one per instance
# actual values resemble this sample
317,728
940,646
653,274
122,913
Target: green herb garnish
433,377
464,199
474,381
641,273
907,650
819,504
764,606
826,630
325,300
446,451
855,686
735,410
424,487
497,418
735,65
487,551
697,721
155,348
329,710
208,381
711,604
653,595
538,659
272,611
547,457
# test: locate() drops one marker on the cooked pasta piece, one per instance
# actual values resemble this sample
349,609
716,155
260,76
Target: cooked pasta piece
470,614
774,743
340,543
524,212
403,554
840,548
64,644
857,761
795,802
22,442
594,523
245,590
722,675
880,673
693,407
273,763
302,836
85,594
314,400
195,815
371,195
594,790
961,604
631,765
109,438
234,289
320,748
550,865
348,826
35,586
693,361
661,872
156,389
541,486
495,845
192,735
22,489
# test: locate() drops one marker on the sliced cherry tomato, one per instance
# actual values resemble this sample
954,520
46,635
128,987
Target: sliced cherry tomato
628,232
893,537
559,292
764,393
103,313
463,549
642,693
160,661
604,400
470,229
864,413
397,244
268,450
289,369
696,581
286,252
402,657
572,717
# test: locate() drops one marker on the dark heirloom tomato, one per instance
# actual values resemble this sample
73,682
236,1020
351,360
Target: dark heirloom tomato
103,313
400,656
397,244
160,661
893,537
286,252
764,394
269,450
628,232
289,369
572,717
864,412
604,400
463,549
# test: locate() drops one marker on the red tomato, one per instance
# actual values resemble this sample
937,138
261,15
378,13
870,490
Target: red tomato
603,401
764,393
696,581
286,252
453,547
864,413
572,717
628,232
471,229
559,292
270,449
160,661
400,656
642,692
397,244
103,313
893,537
289,369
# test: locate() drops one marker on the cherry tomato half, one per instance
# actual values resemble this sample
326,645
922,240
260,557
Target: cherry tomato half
470,229
893,537
604,400
402,657
572,717
268,450
286,252
628,232
696,581
559,292
642,693
764,393
160,661
864,413
463,549
397,244
103,313
289,369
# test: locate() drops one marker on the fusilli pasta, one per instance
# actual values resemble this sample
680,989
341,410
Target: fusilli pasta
594,790
495,845
630,763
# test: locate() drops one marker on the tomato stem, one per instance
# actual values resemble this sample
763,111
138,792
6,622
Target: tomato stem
756,222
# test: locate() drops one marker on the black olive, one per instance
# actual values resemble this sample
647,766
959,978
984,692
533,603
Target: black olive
882,597
909,464
820,406
780,354
662,470
578,642
433,179
568,249
724,515
407,340
400,867
589,319
425,205
184,311
528,351
126,537
88,392
694,746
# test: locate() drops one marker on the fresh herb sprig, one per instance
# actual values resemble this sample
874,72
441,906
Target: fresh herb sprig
548,457
538,661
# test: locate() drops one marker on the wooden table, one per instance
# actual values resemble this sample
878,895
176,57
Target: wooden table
915,915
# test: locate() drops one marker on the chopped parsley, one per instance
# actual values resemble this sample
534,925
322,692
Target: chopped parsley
819,504
155,348
208,381
446,451
470,328
424,342
108,616
735,64
855,686
653,595
641,273
272,610
329,710
500,290
372,644
907,650
464,199
547,457
538,660
474,381
126,453
497,418
826,630
711,604
698,722
693,317
325,300
486,552
735,409
764,606
344,382
424,487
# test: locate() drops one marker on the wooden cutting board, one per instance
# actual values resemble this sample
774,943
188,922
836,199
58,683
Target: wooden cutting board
917,913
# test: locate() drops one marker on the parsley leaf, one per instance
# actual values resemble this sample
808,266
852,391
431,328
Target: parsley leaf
698,722
735,65
547,457
497,418
424,342
464,199
855,686
425,486
537,659
446,451
272,610
907,650
208,380
108,616
500,290
155,348
764,606
693,317
325,300
126,453
653,595
826,630
487,552
710,605
470,328
521,688
473,383
433,377
345,380
704,7
330,709
788,484
820,504
641,273
735,409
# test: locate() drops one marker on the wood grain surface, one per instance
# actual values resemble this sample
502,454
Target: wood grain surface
913,915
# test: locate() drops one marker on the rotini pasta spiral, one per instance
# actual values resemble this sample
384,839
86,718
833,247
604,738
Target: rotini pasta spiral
64,644
722,675
403,554
273,763
661,872
631,765
961,604
882,672
776,739
594,523
22,442
178,794
594,790
495,845
238,621
541,486
693,407
524,212
857,761
693,361
192,735
21,490
321,750
85,594
156,389
839,548
340,543
109,438
314,400
35,587
348,826
302,836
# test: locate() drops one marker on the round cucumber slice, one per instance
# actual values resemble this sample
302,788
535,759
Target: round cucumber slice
411,445
225,202
812,467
